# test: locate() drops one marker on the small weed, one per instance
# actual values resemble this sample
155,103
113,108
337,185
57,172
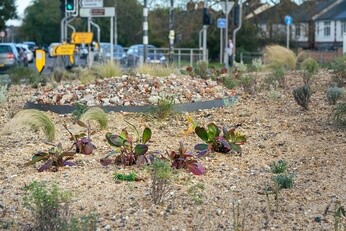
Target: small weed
201,70
196,193
278,167
239,216
283,181
125,177
165,108
268,191
161,174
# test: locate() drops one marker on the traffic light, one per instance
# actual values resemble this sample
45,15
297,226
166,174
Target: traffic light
236,11
70,6
206,17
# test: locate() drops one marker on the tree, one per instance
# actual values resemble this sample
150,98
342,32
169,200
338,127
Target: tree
7,11
41,22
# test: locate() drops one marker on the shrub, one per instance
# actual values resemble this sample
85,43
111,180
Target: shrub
334,94
201,70
275,55
338,66
248,82
302,96
278,167
161,174
165,108
50,208
21,73
310,68
339,114
60,74
283,181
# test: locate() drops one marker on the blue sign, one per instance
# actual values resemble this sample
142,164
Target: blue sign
221,23
288,20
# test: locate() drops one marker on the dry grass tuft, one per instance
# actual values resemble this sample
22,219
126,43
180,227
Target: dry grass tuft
97,114
155,70
33,119
107,69
276,55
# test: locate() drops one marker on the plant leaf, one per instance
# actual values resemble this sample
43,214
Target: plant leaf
114,140
141,149
202,153
146,135
105,161
196,168
46,166
201,147
236,148
80,123
202,133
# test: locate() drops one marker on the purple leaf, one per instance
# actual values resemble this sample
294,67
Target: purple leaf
105,161
201,147
202,153
196,168
68,163
46,166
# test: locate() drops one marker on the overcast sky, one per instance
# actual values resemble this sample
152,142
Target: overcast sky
20,5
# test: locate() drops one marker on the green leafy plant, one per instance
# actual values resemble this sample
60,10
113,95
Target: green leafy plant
161,174
196,192
338,66
215,141
284,181
165,108
54,158
50,208
35,120
334,94
310,68
339,114
129,151
186,160
278,167
302,96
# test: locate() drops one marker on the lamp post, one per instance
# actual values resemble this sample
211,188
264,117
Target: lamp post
171,33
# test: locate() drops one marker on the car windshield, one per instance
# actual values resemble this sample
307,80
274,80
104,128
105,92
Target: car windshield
5,49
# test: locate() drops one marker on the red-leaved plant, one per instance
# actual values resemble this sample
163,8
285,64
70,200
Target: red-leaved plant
82,141
184,159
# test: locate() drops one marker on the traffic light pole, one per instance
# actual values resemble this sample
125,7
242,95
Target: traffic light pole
237,29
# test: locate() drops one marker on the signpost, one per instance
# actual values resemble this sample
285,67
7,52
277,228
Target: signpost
82,37
64,49
288,21
91,3
226,7
40,60
97,12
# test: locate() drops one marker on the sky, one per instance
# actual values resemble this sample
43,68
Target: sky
21,5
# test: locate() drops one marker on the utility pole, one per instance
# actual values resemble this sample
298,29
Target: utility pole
205,27
145,32
171,33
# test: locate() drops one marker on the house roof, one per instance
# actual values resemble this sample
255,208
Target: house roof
277,13
308,9
336,12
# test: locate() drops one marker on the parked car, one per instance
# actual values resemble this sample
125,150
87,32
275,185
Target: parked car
119,53
32,46
51,49
83,51
29,55
154,56
9,56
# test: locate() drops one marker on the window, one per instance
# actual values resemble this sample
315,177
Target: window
326,31
343,27
297,30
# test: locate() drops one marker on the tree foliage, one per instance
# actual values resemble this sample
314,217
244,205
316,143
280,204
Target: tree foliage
41,22
7,11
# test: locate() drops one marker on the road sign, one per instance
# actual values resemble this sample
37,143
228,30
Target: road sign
288,20
40,60
3,34
97,12
221,23
81,37
64,49
91,3
227,5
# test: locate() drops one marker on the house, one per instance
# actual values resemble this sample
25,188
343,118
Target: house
317,24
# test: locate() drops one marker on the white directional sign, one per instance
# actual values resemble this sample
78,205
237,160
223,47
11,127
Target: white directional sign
97,12
227,5
91,3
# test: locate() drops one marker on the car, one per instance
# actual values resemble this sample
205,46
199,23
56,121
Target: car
32,45
51,49
9,56
154,56
28,53
119,53
83,51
